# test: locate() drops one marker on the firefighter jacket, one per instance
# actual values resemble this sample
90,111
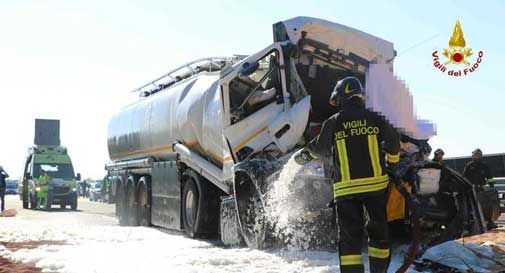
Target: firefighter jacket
477,172
352,138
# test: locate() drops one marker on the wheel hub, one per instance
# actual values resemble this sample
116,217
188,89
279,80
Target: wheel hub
189,207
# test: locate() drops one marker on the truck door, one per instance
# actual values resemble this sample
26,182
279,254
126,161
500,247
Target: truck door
254,93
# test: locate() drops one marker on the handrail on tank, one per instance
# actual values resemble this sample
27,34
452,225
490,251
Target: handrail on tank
227,60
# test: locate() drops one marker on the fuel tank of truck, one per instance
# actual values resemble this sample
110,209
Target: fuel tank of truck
189,111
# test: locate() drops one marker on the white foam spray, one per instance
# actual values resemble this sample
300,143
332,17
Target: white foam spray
283,211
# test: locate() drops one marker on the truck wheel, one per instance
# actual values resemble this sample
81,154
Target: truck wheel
25,201
144,202
33,201
190,203
73,205
63,206
131,204
121,204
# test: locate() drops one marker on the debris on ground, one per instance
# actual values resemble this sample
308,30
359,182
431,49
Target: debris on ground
11,266
479,253
8,213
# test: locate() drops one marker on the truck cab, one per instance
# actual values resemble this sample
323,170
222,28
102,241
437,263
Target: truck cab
47,155
56,163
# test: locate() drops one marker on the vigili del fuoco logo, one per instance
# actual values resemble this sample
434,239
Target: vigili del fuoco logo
457,54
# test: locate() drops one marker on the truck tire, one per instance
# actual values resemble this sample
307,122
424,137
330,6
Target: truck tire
120,203
190,208
73,202
25,201
33,201
144,201
63,206
131,203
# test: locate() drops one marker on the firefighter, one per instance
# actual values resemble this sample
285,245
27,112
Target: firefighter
352,139
3,186
477,171
439,156
103,188
42,194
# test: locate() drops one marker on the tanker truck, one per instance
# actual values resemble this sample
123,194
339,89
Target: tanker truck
198,149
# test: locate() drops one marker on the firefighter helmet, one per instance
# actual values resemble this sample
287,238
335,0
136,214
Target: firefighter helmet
477,152
346,89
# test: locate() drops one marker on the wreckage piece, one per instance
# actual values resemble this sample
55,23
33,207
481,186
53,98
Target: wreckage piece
8,213
458,256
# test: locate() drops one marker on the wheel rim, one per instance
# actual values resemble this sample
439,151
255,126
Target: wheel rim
190,199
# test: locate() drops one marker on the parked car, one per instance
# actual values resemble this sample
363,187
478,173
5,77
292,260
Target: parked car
12,187
95,191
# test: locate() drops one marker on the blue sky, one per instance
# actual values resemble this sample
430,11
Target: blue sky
78,60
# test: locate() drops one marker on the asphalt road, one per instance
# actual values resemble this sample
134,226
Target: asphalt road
88,213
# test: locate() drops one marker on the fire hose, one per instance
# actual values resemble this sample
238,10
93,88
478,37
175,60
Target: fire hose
414,209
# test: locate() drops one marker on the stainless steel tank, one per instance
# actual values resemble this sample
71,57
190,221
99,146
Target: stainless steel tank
190,111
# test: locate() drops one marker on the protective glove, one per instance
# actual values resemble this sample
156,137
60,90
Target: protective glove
331,204
302,156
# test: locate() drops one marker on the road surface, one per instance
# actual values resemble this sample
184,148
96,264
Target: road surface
88,213
90,241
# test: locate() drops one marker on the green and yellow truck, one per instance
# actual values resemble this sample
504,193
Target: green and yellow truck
48,174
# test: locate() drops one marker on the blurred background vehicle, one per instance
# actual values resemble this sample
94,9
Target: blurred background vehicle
95,191
12,187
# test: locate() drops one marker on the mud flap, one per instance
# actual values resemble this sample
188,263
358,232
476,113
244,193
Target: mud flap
230,228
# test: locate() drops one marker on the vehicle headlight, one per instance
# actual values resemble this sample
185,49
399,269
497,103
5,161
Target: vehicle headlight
74,189
37,188
313,168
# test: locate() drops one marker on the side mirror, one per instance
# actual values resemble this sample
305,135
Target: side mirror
78,177
248,68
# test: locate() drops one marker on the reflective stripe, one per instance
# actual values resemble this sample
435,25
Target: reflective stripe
393,158
380,253
373,149
342,158
360,189
350,260
313,155
360,182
